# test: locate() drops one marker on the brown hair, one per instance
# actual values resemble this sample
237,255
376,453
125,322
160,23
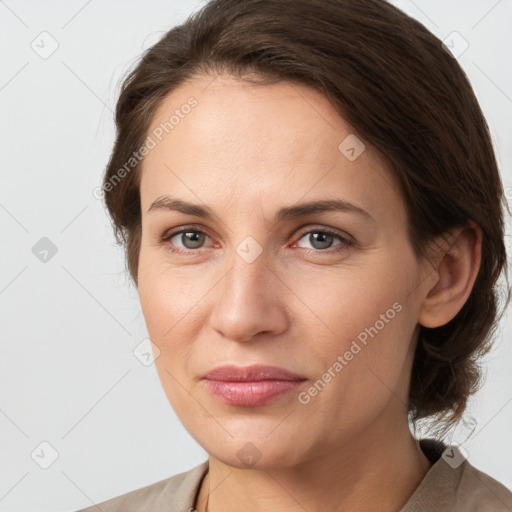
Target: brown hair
394,83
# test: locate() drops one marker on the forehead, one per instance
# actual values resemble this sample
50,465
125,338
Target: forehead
256,142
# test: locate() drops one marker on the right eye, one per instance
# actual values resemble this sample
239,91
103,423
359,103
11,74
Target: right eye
190,238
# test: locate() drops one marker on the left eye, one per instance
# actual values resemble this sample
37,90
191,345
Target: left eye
321,240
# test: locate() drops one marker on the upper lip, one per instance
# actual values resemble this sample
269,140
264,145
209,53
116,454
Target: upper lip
256,372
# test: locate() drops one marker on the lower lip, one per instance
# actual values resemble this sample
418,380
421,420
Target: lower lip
250,394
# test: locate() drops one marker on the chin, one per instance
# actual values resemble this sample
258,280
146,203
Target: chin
251,448
248,455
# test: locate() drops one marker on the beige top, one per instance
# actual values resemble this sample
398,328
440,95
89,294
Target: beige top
451,485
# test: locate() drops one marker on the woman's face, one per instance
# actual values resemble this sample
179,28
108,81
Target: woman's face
257,280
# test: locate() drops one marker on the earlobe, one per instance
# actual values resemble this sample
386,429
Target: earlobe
457,269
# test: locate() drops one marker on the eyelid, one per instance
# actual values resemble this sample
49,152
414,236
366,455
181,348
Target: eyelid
325,229
170,233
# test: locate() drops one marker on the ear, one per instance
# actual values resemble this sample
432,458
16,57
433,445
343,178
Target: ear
457,266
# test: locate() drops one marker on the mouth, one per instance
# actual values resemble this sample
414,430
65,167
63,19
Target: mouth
250,386
253,373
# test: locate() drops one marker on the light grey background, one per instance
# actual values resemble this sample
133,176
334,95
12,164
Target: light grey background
68,375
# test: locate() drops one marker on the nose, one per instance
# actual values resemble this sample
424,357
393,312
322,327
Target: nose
250,301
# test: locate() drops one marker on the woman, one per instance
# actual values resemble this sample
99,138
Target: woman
313,216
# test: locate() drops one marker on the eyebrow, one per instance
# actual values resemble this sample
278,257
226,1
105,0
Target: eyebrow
167,203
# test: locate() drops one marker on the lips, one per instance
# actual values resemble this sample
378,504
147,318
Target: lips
253,373
250,386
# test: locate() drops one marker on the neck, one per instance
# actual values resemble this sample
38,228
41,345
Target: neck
369,472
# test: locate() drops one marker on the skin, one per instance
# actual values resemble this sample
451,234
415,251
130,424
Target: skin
246,151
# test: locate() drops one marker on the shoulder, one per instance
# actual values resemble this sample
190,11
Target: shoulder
480,492
174,493
453,484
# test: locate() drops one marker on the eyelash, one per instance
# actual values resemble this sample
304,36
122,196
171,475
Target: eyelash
346,241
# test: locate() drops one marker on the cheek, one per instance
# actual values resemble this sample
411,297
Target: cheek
173,309
364,369
169,327
169,320
166,295
343,302
364,317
